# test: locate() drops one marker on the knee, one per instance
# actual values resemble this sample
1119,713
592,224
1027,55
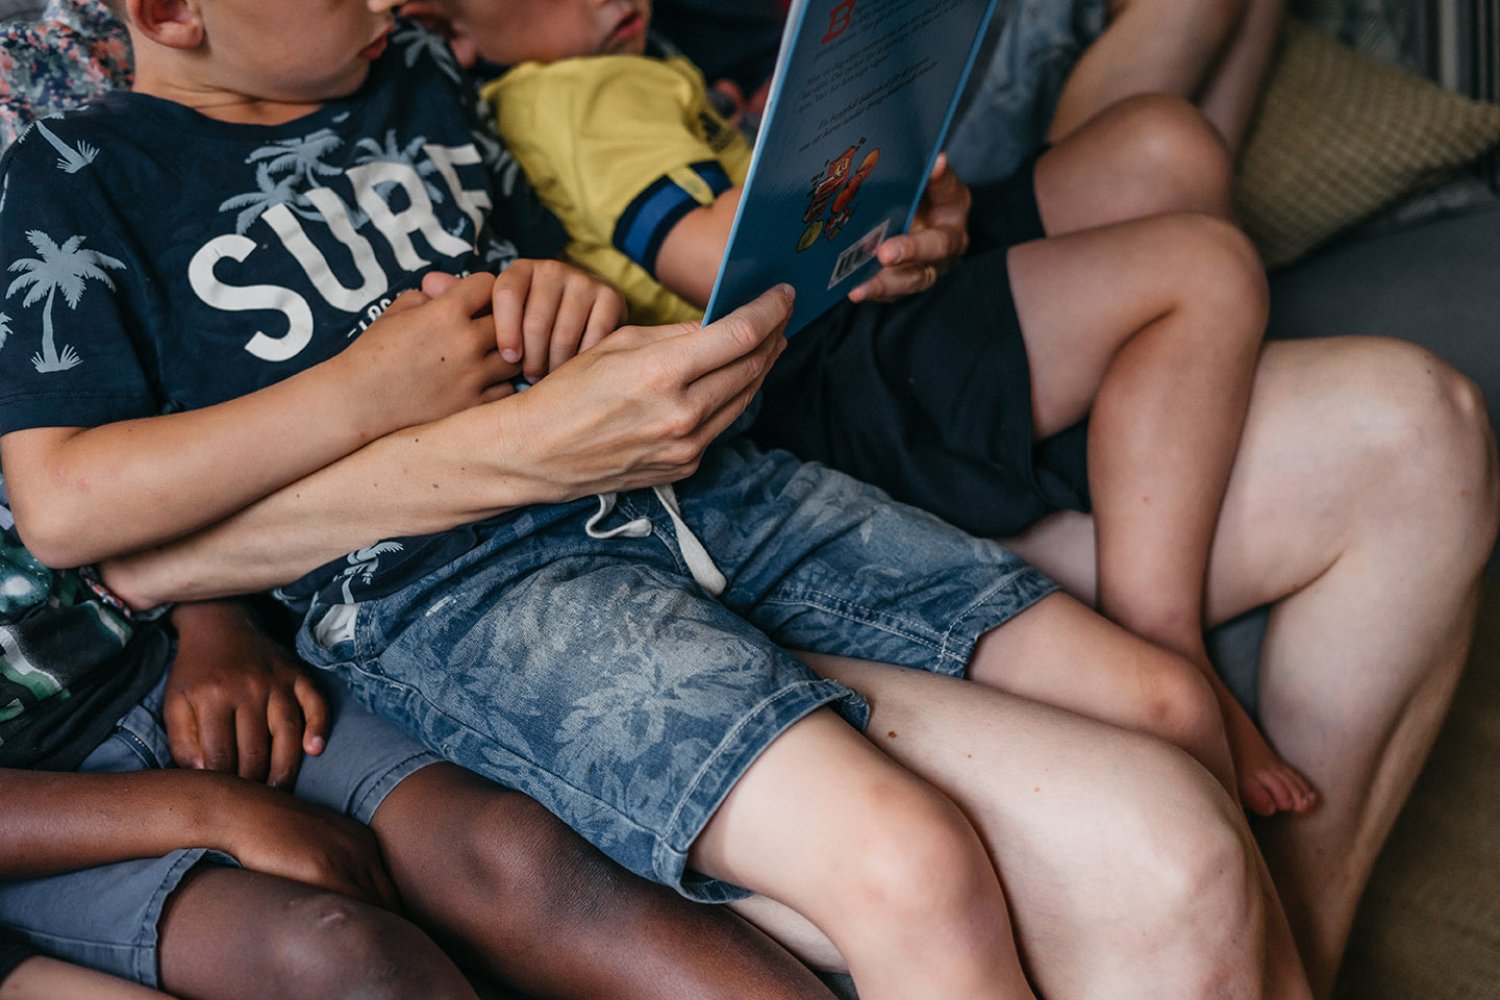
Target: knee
921,866
330,945
1179,704
1195,867
1221,274
513,849
1171,158
1428,439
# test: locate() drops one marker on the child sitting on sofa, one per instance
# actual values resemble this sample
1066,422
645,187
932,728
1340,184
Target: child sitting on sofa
1161,362
599,660
215,885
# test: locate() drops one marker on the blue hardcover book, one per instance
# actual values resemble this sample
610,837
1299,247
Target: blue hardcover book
860,103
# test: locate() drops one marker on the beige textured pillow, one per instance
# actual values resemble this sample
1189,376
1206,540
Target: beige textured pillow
1339,135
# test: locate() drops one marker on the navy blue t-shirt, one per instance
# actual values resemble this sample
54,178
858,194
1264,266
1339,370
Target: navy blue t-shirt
158,260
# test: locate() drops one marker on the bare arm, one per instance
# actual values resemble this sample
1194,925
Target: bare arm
638,409
689,257
81,495
59,822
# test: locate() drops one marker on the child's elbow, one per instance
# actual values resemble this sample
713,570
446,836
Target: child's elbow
50,532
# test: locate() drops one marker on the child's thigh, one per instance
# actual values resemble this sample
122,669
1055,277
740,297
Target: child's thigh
825,563
1081,296
604,685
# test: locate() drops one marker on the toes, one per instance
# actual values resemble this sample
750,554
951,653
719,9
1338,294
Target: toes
1257,797
1276,780
1307,796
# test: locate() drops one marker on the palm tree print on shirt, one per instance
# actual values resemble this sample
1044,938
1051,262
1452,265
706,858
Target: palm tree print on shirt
410,154
284,169
67,268
417,42
363,565
70,159
302,157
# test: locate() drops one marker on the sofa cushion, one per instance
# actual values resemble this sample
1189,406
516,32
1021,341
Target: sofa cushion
1339,136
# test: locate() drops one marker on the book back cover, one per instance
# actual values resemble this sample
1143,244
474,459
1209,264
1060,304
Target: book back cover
862,97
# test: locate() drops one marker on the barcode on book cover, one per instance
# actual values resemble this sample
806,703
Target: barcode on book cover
854,258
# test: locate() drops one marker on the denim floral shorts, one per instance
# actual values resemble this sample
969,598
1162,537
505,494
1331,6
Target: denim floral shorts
594,675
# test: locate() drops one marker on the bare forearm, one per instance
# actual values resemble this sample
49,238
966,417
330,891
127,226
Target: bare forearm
81,495
64,822
689,257
42,978
1231,93
638,409
417,481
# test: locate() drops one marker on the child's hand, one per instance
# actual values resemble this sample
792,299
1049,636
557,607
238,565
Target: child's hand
547,311
280,835
427,357
939,235
236,700
658,396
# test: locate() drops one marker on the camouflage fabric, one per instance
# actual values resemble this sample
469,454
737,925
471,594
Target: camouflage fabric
69,663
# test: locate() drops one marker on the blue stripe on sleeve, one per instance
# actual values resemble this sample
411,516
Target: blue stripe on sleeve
645,223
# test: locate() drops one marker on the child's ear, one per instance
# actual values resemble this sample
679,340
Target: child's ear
176,24
435,17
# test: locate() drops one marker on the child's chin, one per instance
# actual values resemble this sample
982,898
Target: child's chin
351,82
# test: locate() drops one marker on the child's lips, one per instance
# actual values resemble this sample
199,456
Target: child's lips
376,48
631,27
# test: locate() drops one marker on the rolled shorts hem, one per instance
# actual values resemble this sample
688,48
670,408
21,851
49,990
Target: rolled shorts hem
724,768
1003,602
135,954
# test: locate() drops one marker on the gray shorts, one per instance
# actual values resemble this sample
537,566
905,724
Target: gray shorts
107,917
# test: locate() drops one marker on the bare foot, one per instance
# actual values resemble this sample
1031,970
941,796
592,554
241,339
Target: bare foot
1267,784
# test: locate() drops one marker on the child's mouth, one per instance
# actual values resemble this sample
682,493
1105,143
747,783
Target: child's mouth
374,50
630,28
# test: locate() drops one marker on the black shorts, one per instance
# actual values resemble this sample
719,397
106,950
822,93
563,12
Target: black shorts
929,398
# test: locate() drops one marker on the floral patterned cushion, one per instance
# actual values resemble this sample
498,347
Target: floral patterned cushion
75,52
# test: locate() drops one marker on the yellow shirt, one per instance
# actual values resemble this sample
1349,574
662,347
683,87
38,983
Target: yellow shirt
620,148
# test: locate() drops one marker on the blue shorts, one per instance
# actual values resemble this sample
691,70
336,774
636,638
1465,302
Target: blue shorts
595,676
107,917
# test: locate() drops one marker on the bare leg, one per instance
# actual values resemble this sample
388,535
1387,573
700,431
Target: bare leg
1212,52
1154,325
887,867
228,933
1363,502
1132,875
1182,167
510,888
1152,154
42,978
1136,684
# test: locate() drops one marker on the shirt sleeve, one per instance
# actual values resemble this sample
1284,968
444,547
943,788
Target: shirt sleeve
67,356
615,144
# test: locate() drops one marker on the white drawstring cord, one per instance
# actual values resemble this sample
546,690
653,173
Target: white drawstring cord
699,562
